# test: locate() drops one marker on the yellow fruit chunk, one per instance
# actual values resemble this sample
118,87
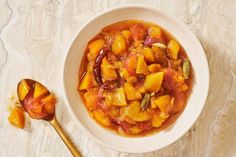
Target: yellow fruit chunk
108,70
85,82
155,49
173,49
154,32
24,89
142,67
94,47
116,98
17,117
39,90
131,64
163,103
118,64
135,130
124,73
49,103
91,99
131,92
129,120
141,89
102,118
127,34
120,98
133,110
119,45
154,68
49,99
49,108
153,82
132,79
88,80
157,120
141,116
115,112
148,54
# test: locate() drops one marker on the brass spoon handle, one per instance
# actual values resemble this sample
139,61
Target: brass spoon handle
64,137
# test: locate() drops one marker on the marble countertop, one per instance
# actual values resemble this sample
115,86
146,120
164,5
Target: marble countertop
34,36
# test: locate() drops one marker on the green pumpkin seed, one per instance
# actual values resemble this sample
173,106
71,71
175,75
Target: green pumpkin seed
145,101
186,68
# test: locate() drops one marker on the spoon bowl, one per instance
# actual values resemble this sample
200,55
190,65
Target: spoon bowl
36,99
40,103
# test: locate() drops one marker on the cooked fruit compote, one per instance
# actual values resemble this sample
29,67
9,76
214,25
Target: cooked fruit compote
134,78
37,101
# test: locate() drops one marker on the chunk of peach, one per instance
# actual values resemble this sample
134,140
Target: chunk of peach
155,32
155,49
101,117
88,79
49,99
131,92
114,112
124,116
49,103
157,120
118,97
153,82
118,64
49,108
127,34
142,67
131,64
85,83
124,73
141,89
163,103
108,70
142,116
148,54
17,117
173,49
91,99
109,98
24,89
94,47
132,79
129,120
133,110
119,45
39,90
135,130
154,68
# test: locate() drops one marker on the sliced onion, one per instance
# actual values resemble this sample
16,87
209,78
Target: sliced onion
160,45
149,41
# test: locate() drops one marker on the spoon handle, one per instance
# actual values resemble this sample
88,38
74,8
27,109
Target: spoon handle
64,137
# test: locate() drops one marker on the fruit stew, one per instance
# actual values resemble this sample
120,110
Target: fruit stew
36,99
134,78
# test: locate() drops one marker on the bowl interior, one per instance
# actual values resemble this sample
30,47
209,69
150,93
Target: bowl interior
196,100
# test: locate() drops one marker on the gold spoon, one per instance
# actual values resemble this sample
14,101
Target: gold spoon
39,103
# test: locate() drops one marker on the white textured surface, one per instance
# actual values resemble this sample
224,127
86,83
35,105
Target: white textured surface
34,35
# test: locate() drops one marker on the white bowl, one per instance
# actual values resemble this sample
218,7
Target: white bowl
195,103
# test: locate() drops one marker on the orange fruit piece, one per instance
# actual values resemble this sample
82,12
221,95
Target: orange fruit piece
39,90
17,117
24,89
